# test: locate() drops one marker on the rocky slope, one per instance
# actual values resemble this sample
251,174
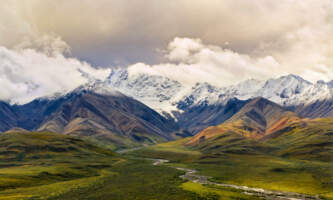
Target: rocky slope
116,118
258,118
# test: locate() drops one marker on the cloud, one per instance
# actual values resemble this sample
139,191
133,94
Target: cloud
115,32
28,74
49,44
191,61
236,39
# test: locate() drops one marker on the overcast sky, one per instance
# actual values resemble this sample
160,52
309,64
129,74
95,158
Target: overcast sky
46,44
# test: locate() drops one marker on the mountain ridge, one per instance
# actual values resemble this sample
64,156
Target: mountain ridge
258,118
119,119
288,91
191,108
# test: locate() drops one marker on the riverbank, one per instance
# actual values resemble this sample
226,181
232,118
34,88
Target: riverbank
193,176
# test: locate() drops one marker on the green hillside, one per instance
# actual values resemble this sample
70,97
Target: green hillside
58,167
53,166
297,158
307,140
34,164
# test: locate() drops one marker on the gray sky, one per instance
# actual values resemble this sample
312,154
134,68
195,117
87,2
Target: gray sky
221,42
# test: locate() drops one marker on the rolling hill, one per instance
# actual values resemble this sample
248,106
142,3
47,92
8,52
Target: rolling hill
17,145
306,139
32,159
44,165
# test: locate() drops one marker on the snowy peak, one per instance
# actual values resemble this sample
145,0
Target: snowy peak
155,91
116,77
243,90
169,96
280,90
285,86
199,95
172,98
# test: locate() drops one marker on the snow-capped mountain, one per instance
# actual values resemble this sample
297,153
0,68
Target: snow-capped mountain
199,95
198,106
157,92
169,96
287,91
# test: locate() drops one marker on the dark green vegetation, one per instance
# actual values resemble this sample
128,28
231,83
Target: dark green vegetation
295,159
135,179
54,166
308,140
40,164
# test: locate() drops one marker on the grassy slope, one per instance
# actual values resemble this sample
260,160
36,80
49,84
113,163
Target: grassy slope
54,166
51,166
217,192
230,163
310,140
135,179
41,164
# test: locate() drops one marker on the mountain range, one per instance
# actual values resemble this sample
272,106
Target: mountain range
117,119
171,98
166,95
133,109
201,105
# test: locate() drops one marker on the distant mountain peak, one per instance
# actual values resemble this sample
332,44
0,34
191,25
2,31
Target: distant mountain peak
116,76
172,99
169,96
293,76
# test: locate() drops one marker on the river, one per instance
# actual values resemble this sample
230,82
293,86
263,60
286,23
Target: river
193,176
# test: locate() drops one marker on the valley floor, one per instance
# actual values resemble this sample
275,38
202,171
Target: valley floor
123,179
71,169
311,178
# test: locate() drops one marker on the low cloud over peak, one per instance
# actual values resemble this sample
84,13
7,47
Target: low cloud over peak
47,44
28,74
191,61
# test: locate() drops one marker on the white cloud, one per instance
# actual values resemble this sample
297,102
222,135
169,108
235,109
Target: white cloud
192,61
119,32
238,39
28,74
49,44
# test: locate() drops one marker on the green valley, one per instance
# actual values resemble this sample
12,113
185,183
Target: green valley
53,166
297,159
262,152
